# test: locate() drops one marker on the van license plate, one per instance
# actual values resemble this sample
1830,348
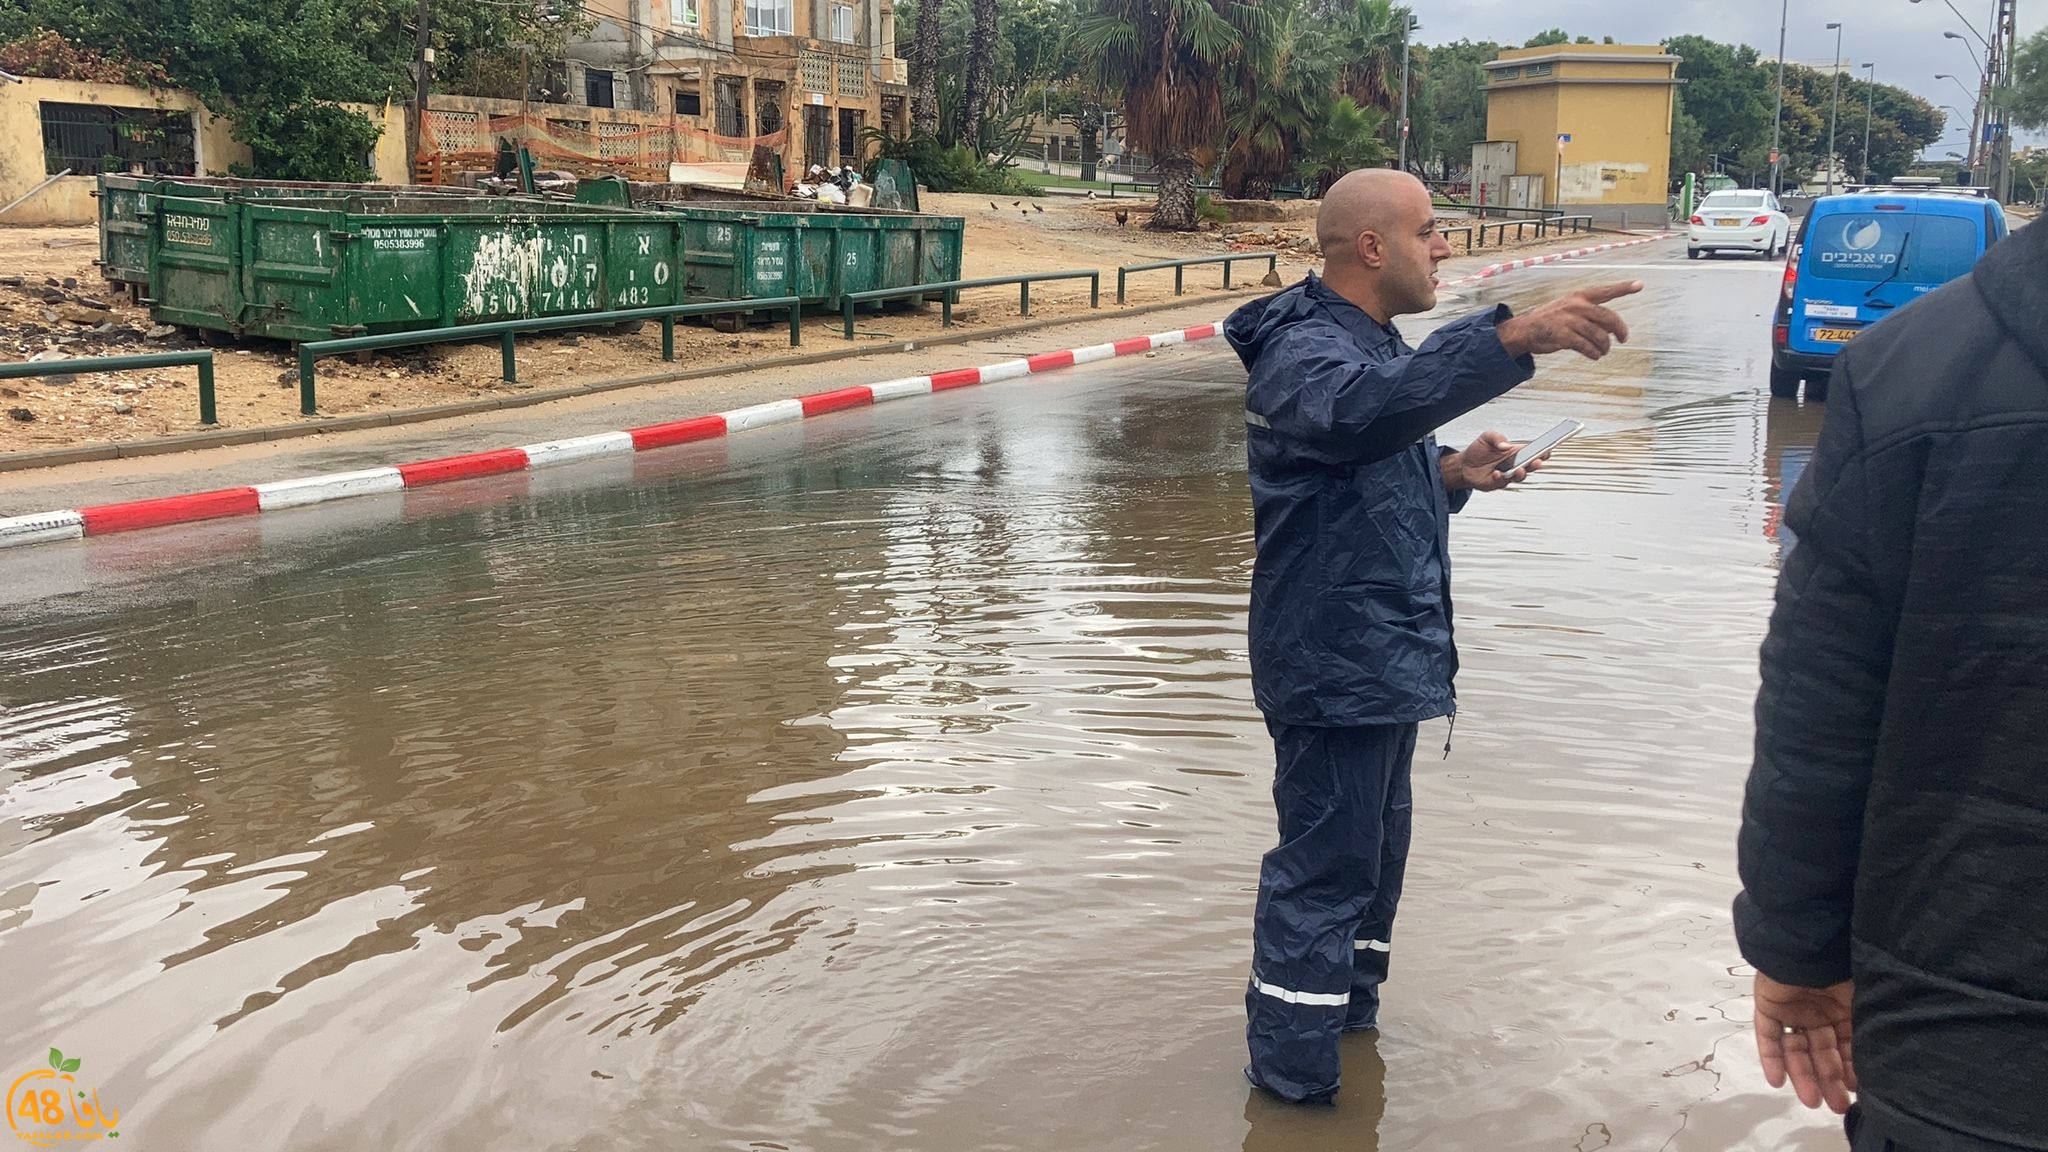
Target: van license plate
1834,335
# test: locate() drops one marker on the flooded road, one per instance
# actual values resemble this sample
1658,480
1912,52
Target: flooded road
891,781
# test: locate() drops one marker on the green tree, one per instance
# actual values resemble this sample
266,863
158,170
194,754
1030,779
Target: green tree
1168,58
279,69
1548,38
1725,106
1451,112
1343,140
2029,95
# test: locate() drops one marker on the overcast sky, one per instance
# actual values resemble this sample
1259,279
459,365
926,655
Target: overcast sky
1902,38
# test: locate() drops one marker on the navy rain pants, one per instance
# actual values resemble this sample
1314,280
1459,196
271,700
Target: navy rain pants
1323,931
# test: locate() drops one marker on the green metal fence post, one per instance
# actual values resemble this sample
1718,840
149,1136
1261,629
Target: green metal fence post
1095,290
1272,264
946,310
1024,298
511,365
206,409
1226,272
1179,271
796,326
306,407
1120,276
846,309
668,337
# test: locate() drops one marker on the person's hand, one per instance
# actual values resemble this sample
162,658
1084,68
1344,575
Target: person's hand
1474,467
1803,1033
1575,322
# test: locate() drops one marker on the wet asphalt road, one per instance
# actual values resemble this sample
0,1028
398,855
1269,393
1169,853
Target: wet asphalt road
891,781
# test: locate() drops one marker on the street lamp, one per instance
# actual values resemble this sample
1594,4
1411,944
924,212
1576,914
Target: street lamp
1966,23
1869,103
1407,28
1976,106
1835,117
1778,109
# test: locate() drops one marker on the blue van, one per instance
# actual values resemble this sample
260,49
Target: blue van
1859,257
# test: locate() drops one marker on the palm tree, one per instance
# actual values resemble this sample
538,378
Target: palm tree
924,70
981,77
1345,138
1281,85
1168,59
1369,35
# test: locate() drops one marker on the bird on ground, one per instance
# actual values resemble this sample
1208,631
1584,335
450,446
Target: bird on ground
1091,194
1122,217
1016,203
1036,208
992,207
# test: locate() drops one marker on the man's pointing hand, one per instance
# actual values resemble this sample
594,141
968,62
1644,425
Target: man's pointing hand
1576,322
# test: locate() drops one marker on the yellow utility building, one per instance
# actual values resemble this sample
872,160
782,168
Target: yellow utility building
1591,122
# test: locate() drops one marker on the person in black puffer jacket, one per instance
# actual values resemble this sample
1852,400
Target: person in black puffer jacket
1894,844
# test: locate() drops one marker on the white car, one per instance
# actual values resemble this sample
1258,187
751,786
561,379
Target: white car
1738,220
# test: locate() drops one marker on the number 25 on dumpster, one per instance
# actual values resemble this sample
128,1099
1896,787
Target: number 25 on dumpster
50,1106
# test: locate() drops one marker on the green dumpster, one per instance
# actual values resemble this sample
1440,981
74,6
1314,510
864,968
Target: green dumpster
125,212
818,252
311,269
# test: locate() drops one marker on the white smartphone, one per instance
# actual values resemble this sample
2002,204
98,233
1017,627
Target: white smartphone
1563,431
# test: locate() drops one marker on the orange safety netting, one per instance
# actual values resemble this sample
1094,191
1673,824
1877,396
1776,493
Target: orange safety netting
456,140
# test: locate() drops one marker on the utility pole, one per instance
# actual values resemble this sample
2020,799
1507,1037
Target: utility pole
1869,103
1408,25
1778,111
1834,118
423,71
1998,76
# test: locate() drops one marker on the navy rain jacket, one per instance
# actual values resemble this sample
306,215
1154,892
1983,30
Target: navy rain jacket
1351,600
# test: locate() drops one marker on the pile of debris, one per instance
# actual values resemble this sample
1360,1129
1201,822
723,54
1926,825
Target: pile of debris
58,314
1285,241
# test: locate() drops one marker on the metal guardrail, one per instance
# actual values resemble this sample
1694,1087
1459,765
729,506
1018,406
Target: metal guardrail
1466,229
203,360
1180,268
506,330
949,290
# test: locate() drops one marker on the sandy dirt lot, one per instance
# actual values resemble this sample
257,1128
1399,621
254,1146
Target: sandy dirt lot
54,304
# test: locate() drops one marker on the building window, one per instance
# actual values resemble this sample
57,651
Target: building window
92,138
689,103
597,87
1536,70
1506,74
683,14
771,17
842,23
815,70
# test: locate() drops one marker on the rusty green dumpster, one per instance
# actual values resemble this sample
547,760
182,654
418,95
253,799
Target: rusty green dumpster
316,268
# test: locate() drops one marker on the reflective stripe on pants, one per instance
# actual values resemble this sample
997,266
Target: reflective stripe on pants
1322,933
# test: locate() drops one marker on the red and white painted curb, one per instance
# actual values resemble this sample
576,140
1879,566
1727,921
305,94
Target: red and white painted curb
99,520
1492,270
105,518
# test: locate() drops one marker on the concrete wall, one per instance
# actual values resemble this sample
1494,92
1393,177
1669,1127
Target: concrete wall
70,201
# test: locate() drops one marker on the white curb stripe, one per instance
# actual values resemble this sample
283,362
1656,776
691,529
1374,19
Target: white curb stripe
38,527
553,452
1094,352
1005,370
1165,339
762,415
898,389
321,489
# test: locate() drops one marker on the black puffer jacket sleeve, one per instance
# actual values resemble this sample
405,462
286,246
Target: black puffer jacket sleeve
1825,665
